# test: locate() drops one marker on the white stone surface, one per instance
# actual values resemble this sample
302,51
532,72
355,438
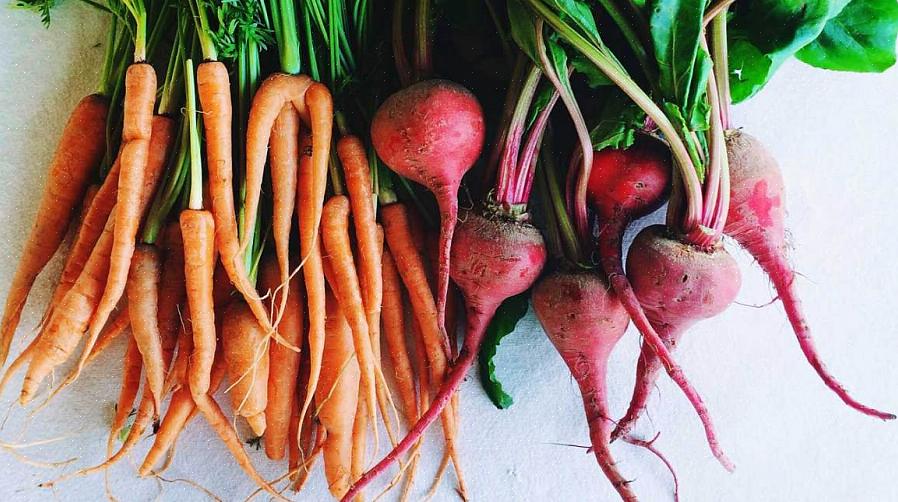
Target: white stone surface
790,438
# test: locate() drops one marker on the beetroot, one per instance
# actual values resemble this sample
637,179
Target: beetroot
757,222
677,286
584,320
494,258
432,133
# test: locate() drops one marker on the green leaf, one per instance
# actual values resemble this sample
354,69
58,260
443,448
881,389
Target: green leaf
618,123
507,316
676,28
41,7
766,33
861,38
594,77
523,29
580,13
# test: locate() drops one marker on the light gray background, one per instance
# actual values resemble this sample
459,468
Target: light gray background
791,439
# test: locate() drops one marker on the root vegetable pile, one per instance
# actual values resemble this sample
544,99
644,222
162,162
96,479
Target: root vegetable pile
286,215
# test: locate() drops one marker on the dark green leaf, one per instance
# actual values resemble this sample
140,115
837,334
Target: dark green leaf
765,33
523,29
861,38
41,7
580,13
594,77
676,29
543,96
507,316
618,123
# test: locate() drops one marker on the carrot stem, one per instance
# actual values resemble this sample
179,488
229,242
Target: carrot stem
196,161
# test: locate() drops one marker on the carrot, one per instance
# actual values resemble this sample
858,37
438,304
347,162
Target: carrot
172,297
246,355
88,199
181,410
79,151
345,285
131,369
198,232
137,130
214,90
143,305
359,442
275,92
111,332
284,363
394,334
402,243
162,138
313,268
305,444
284,157
63,331
88,233
337,397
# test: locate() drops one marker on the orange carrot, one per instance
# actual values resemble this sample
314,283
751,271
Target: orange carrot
131,368
413,271
88,233
172,296
79,151
162,133
245,348
276,91
345,285
337,397
214,90
394,334
304,444
143,305
62,332
137,130
198,232
284,157
181,410
359,442
313,268
86,202
111,332
284,363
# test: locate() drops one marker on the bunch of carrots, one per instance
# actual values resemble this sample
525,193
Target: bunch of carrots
255,222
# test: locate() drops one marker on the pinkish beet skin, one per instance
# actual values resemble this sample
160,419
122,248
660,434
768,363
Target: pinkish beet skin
493,259
757,222
584,320
432,133
677,286
629,184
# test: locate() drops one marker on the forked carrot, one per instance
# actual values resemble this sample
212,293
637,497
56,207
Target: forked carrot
181,410
337,397
276,91
79,151
284,363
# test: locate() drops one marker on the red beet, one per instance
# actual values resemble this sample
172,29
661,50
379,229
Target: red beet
757,222
493,259
432,133
585,320
677,286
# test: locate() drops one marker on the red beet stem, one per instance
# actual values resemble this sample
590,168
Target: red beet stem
448,205
479,317
610,254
